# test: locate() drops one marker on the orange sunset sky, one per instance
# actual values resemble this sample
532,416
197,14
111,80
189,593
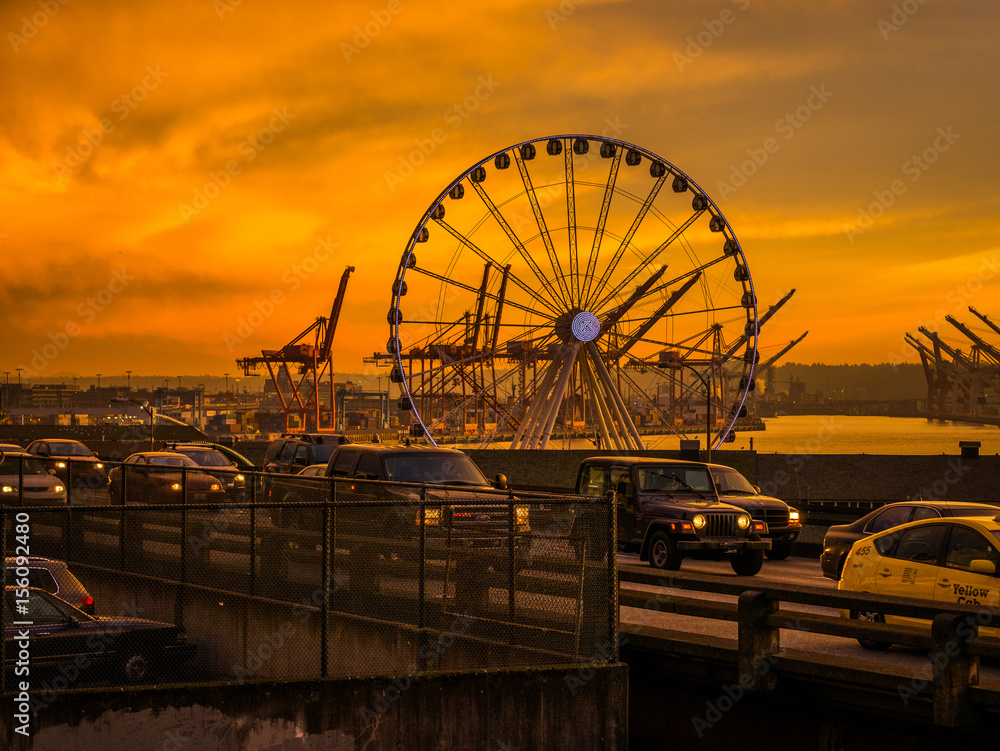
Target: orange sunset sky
166,166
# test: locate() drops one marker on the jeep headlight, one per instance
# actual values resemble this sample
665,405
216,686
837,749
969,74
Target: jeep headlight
432,516
239,478
61,465
99,465
214,487
742,521
699,521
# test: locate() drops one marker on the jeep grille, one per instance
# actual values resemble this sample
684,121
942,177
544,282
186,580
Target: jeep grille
722,525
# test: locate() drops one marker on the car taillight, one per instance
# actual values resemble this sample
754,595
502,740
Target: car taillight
87,604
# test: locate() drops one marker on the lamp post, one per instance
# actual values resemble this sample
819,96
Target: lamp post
129,374
151,411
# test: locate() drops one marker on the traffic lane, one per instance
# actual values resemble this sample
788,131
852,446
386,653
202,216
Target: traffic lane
792,570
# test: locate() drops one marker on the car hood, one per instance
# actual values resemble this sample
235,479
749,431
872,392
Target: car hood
754,502
686,500
46,481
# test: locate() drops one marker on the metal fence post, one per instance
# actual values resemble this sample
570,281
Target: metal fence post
613,606
327,578
757,642
954,669
421,562
3,610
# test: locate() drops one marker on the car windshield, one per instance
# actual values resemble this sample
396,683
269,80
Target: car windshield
172,461
671,478
322,451
438,469
68,448
730,481
9,465
207,458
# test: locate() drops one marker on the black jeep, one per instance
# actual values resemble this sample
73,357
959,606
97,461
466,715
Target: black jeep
667,511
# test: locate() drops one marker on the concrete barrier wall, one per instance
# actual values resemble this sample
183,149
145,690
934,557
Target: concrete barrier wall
526,709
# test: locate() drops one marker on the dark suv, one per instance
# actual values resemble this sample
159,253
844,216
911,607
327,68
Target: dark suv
462,508
293,451
667,511
783,525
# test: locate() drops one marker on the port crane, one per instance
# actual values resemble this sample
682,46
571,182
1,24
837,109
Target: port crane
313,360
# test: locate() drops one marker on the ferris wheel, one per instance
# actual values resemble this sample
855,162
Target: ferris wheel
572,286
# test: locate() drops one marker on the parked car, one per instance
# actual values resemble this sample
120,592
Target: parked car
40,486
214,460
70,458
952,560
4,447
839,538
235,457
133,649
783,525
463,506
667,511
293,451
52,576
163,477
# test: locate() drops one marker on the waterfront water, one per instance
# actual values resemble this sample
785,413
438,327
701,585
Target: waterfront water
850,434
840,434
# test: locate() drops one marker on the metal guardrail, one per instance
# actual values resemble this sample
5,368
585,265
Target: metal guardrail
953,644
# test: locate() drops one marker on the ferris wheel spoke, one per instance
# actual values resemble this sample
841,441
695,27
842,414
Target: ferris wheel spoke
627,239
497,298
554,291
646,325
689,272
574,260
649,259
543,230
486,257
595,249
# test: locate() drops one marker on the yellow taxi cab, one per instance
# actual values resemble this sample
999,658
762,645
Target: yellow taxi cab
952,560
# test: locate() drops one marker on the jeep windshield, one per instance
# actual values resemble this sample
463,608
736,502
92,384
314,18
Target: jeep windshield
673,479
436,469
732,482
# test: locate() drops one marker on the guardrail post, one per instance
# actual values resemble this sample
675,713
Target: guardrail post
758,642
954,669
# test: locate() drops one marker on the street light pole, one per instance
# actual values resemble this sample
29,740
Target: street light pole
145,407
708,410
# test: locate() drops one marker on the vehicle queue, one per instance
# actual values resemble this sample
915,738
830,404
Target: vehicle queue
942,551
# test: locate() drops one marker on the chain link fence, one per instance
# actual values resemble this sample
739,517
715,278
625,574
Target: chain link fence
195,578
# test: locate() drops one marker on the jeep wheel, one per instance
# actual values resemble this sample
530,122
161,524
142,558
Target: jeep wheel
871,617
748,562
780,550
663,552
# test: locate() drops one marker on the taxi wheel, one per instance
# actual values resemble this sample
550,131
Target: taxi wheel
663,553
871,617
779,551
747,563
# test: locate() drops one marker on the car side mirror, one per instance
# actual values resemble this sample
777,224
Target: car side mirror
982,566
51,471
500,482
756,489
73,622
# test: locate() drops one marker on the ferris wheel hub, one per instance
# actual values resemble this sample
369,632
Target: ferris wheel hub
585,326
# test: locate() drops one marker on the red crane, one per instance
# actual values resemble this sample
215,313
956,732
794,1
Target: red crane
311,359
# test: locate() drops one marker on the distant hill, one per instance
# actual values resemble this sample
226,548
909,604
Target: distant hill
875,382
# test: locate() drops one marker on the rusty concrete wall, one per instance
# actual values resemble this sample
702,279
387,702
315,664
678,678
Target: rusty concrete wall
527,709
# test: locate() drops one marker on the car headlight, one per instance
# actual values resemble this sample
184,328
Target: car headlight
8,489
61,465
793,514
99,465
521,515
742,521
215,486
240,478
432,516
175,486
59,489
699,521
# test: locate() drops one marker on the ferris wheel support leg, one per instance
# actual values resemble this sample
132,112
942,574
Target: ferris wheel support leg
557,397
544,399
616,399
609,433
526,428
